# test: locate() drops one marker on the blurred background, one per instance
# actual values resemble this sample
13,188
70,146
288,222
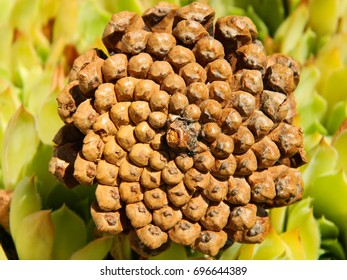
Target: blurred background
40,40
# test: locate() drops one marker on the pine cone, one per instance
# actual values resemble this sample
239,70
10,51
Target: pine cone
186,128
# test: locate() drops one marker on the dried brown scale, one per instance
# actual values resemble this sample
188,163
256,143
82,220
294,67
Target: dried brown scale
115,67
243,140
216,216
220,91
266,152
152,236
69,100
155,198
210,242
120,24
178,194
138,214
105,98
83,60
131,192
196,11
104,127
125,137
144,90
151,178
185,232
239,191
107,222
124,89
106,173
166,217
90,77
113,153
68,134
248,80
160,101
179,56
188,32
208,49
160,17
173,83
273,105
217,189
139,65
218,70
187,128
195,180
108,197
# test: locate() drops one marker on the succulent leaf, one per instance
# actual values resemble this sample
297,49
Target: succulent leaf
18,151
66,244
301,217
95,250
25,201
35,236
3,256
293,244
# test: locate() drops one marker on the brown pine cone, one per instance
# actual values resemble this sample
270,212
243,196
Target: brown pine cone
186,128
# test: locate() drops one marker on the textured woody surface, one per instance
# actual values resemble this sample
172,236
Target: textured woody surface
186,128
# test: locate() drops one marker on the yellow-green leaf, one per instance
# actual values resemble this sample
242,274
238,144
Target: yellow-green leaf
47,130
341,147
271,248
323,16
70,233
278,218
329,199
3,256
19,147
25,201
293,244
301,217
95,250
35,236
322,159
232,252
175,252
9,103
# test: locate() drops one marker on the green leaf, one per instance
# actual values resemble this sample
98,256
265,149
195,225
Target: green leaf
271,248
330,195
322,159
340,145
121,249
328,229
301,217
291,30
270,11
336,117
47,130
293,244
278,218
323,16
336,87
9,103
35,236
19,147
92,20
60,195
65,244
36,88
3,256
95,250
175,252
232,253
333,249
305,47
309,77
45,181
25,201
